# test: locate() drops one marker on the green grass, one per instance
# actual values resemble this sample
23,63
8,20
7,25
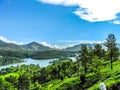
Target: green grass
10,74
57,84
108,76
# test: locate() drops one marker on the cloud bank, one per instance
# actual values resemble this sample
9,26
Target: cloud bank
9,41
92,10
56,46
80,41
69,43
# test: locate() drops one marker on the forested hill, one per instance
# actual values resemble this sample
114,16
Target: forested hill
38,54
34,46
32,50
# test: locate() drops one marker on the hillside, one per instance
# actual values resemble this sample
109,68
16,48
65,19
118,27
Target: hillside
78,47
38,79
33,46
92,67
111,78
10,46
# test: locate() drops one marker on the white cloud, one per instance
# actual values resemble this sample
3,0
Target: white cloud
92,10
80,41
46,44
69,43
116,22
56,46
9,41
91,42
61,2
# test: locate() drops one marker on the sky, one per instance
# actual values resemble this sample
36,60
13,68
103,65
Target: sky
59,22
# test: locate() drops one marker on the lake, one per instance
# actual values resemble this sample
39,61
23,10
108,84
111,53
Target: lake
28,61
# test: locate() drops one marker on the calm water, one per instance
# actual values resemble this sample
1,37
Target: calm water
28,61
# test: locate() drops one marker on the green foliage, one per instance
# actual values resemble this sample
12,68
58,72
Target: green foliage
13,79
84,57
9,60
51,54
113,51
37,54
36,86
63,74
33,77
98,51
23,82
97,65
83,78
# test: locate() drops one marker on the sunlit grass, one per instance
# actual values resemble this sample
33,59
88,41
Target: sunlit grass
108,76
56,84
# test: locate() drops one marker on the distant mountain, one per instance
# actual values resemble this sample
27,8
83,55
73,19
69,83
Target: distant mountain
10,46
78,47
36,47
74,48
28,47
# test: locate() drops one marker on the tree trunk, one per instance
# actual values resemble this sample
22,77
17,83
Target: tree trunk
111,58
85,69
111,64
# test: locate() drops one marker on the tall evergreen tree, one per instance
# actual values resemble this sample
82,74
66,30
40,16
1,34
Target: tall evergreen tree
91,53
83,57
113,51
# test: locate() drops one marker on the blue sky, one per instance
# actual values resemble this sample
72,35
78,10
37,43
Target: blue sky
58,21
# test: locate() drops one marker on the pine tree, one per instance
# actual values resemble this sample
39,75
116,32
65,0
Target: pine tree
83,57
98,51
113,51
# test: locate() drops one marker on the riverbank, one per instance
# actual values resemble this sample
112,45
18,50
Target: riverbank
9,60
28,61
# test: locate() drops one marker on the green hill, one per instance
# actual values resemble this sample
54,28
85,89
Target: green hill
33,46
111,78
45,79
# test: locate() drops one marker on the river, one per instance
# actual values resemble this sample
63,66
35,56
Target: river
28,61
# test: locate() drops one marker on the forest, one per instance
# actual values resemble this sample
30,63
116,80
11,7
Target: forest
93,65
37,54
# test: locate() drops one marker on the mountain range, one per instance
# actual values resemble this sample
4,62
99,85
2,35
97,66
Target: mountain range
34,46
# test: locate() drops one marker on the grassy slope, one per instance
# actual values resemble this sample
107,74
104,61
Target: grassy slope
58,83
108,76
